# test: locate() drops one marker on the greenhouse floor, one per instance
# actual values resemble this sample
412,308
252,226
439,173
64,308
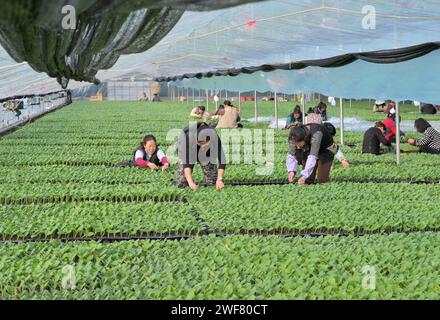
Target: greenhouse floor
67,210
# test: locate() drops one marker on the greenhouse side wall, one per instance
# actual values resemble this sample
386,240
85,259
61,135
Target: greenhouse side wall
32,107
133,90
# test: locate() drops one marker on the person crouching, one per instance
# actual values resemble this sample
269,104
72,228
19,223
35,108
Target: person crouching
149,155
430,142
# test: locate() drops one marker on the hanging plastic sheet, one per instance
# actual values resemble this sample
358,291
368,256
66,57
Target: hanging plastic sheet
268,33
415,79
36,32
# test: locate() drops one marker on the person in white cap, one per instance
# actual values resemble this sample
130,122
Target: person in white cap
379,106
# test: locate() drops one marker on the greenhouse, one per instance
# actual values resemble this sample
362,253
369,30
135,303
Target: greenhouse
107,109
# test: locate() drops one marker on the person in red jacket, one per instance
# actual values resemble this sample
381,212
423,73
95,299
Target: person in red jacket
390,122
390,128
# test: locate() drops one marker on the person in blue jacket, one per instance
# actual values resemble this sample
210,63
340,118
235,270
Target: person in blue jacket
295,118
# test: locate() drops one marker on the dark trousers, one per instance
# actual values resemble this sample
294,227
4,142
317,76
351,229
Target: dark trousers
426,149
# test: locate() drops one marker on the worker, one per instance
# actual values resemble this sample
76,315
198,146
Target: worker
321,109
231,117
313,146
149,155
199,143
430,142
144,97
373,137
295,118
379,106
428,109
390,122
318,114
200,113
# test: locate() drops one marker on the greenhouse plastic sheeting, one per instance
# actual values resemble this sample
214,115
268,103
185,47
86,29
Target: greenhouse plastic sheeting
381,56
415,79
38,32
276,32
288,31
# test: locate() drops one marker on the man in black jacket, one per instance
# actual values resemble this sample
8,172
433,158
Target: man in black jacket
428,109
373,138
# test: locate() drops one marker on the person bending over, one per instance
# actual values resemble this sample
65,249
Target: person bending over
428,109
199,143
430,142
149,155
230,118
373,137
311,145
200,113
218,113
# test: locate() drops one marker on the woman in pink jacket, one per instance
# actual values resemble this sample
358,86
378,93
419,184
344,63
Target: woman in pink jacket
149,155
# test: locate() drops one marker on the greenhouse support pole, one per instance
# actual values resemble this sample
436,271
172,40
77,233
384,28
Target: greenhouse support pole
397,133
194,97
342,120
239,100
187,95
276,108
303,104
256,114
207,100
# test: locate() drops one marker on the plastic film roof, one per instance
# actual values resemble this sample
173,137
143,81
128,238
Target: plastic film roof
35,32
288,30
285,31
